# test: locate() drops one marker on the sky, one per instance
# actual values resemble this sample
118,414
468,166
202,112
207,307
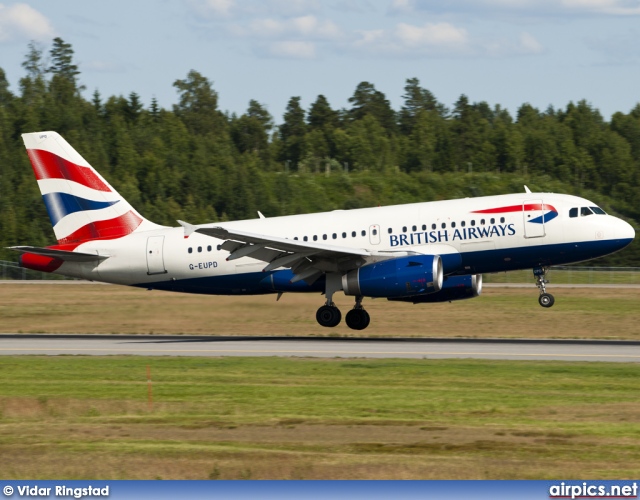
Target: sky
506,52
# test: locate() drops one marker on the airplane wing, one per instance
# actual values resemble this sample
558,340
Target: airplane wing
307,260
60,254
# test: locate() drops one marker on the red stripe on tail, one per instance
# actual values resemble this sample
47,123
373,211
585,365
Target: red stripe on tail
104,229
47,165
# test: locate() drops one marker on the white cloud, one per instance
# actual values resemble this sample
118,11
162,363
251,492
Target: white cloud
488,8
440,40
291,49
304,27
220,7
529,44
611,7
20,21
213,9
402,7
438,35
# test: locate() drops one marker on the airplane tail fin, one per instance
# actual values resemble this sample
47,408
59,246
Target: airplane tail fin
81,204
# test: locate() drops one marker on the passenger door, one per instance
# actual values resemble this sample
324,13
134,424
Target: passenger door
533,215
155,259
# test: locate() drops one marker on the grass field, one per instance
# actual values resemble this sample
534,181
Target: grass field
75,417
240,418
498,312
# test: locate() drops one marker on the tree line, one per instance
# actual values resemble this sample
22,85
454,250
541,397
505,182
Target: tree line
198,163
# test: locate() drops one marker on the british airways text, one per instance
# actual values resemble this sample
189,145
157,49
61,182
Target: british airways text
447,235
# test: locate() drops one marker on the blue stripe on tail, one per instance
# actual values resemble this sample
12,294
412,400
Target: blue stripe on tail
59,205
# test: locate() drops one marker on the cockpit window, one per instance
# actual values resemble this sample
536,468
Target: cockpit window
585,211
573,212
598,210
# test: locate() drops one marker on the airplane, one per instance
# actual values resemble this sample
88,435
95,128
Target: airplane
420,252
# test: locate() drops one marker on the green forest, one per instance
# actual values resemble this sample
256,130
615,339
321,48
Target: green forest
198,163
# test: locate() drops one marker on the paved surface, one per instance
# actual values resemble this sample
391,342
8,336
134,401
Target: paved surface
145,345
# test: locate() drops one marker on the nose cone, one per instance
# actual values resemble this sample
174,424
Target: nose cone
625,231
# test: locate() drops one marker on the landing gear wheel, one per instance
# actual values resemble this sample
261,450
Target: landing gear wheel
546,300
328,316
357,319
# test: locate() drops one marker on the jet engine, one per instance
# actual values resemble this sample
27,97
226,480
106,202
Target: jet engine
401,277
453,288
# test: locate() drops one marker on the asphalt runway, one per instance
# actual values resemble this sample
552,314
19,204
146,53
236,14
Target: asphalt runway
147,345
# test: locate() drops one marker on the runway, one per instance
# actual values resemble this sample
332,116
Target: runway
323,347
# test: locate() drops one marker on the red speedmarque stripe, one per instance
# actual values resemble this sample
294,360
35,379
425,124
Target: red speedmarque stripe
104,229
516,208
47,165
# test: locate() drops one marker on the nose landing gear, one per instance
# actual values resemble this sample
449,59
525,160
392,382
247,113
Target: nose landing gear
545,299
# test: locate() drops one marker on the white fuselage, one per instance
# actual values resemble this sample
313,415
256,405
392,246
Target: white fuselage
488,233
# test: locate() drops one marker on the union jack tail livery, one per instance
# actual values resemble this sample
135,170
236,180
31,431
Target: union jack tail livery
81,204
420,252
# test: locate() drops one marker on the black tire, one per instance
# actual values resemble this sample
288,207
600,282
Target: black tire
328,316
546,300
357,319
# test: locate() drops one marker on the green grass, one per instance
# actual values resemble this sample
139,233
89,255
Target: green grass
336,419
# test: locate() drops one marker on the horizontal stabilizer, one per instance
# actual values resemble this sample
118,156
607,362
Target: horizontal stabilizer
60,254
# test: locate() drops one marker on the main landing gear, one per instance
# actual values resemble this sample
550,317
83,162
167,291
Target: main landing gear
357,319
545,299
329,315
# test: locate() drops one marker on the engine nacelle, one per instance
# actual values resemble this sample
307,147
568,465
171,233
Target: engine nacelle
453,288
401,277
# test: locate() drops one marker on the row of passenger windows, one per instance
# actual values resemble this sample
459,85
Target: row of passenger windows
209,249
335,235
453,225
374,231
584,211
414,228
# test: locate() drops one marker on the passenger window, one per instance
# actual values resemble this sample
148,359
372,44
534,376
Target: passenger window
443,225
433,226
414,228
334,236
324,236
493,221
453,224
208,248
364,233
424,227
404,229
463,223
315,237
375,232
573,212
353,234
344,235
501,220
295,237
305,238
190,250
199,249
390,230
482,222
473,222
